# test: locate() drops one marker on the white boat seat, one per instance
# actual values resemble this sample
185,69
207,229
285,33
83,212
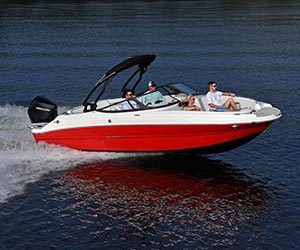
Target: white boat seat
197,103
203,103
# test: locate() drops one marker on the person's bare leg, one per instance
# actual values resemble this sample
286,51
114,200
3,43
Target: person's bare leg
230,103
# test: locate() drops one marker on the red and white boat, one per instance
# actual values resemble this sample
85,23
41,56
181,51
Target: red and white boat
100,124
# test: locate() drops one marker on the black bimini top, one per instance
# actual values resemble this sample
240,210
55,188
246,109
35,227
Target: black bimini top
143,61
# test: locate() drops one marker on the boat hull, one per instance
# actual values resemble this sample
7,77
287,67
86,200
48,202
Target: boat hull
209,138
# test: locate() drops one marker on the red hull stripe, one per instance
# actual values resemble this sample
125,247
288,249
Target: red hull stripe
149,137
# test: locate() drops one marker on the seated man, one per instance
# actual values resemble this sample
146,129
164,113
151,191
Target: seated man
152,96
213,99
128,104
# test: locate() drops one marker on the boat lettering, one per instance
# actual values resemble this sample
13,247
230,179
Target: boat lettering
42,109
115,136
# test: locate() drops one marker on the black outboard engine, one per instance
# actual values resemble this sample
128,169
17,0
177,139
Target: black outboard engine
42,110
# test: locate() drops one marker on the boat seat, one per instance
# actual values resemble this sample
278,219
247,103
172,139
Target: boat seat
203,103
197,103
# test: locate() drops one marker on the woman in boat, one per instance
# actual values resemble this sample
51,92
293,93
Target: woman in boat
188,104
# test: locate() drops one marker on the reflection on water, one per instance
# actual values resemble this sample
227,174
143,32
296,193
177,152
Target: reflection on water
59,48
172,199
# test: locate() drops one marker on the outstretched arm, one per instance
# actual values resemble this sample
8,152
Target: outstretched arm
229,94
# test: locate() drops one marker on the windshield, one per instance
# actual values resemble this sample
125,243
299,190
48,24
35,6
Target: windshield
164,96
182,88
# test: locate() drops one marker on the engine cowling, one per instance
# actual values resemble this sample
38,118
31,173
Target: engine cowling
42,110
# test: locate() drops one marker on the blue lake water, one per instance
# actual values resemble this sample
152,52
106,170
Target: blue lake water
57,198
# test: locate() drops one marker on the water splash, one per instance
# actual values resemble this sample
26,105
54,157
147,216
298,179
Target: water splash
22,161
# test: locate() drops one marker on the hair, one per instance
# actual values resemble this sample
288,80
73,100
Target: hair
211,83
185,102
125,91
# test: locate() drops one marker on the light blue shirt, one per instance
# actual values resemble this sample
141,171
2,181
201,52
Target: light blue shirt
125,105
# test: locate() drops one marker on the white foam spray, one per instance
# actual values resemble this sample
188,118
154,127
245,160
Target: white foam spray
22,161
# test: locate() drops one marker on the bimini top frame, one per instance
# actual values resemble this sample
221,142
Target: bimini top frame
142,61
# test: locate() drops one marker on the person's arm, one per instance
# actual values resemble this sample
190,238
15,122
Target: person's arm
229,94
215,106
210,100
192,108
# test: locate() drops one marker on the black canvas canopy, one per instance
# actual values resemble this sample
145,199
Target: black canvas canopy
143,61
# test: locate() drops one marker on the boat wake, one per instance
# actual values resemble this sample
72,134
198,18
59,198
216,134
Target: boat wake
22,161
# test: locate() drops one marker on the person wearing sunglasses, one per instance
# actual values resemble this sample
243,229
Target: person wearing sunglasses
188,104
128,104
214,99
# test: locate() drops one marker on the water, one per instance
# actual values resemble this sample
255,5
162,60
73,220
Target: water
57,198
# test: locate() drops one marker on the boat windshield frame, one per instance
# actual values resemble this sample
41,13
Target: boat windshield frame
174,91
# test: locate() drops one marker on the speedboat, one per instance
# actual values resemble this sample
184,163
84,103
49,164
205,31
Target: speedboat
100,123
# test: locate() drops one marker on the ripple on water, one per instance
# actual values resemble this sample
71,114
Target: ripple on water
177,203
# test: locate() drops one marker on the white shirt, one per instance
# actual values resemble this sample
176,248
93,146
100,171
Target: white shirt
214,97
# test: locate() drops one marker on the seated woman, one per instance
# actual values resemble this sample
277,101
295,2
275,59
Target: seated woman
188,104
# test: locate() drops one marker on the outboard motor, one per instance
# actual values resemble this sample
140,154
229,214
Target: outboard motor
42,110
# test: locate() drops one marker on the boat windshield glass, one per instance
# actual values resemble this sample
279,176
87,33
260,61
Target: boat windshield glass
181,87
